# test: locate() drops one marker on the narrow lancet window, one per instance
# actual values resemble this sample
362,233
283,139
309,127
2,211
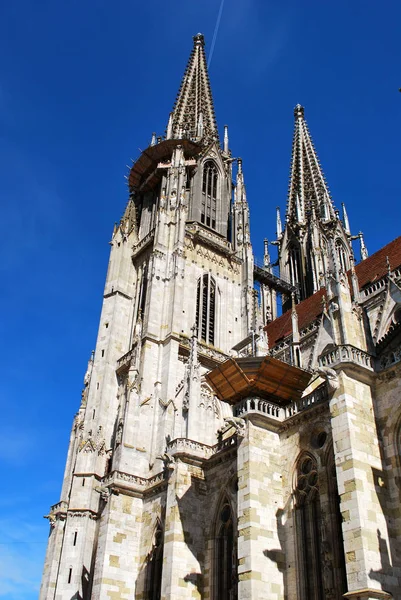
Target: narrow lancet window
206,309
342,256
294,264
209,194
226,556
308,520
155,566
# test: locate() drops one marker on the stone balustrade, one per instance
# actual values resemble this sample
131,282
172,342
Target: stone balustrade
143,243
346,354
259,406
280,413
318,396
186,446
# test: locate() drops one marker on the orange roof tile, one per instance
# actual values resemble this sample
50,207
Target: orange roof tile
308,310
375,267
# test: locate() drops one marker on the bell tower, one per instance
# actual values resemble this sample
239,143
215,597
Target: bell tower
178,296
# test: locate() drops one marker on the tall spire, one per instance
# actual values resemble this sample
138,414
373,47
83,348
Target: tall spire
193,113
308,187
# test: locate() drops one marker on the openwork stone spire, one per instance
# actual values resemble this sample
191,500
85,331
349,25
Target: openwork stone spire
193,113
308,189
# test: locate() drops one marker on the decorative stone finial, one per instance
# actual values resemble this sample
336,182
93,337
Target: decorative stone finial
199,39
299,111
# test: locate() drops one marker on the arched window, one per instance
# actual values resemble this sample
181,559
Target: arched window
225,555
308,523
294,264
206,309
342,255
143,291
209,194
155,566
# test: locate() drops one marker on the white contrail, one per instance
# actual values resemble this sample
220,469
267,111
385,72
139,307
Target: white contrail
216,29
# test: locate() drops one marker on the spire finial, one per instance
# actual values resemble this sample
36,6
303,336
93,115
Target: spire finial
153,141
279,227
364,250
345,219
299,111
388,265
199,39
225,146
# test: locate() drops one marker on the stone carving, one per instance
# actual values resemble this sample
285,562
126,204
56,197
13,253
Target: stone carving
104,492
52,518
93,443
238,423
168,461
330,376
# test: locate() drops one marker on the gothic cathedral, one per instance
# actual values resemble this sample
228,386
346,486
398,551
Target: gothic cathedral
224,449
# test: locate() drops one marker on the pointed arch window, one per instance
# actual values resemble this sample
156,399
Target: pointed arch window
154,567
209,194
342,255
321,563
226,555
294,264
308,520
206,309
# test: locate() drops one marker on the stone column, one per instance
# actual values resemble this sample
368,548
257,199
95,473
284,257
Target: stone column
117,559
360,485
260,531
183,538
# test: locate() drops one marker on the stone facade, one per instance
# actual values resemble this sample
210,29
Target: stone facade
174,489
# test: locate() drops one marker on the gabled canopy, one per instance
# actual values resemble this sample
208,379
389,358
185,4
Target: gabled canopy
265,377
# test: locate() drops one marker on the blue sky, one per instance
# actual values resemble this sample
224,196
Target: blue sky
82,87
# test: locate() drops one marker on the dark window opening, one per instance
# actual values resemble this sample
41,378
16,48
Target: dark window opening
69,575
209,194
226,556
155,567
144,290
75,539
206,309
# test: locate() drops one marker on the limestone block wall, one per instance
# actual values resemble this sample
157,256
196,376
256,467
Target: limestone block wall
388,481
261,552
359,464
117,560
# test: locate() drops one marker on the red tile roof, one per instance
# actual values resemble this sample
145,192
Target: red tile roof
369,270
375,267
308,310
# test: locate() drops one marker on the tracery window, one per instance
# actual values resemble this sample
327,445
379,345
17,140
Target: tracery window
342,255
206,309
155,566
321,563
226,555
209,194
308,521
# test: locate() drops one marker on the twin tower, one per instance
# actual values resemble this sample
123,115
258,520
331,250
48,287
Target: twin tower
179,480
